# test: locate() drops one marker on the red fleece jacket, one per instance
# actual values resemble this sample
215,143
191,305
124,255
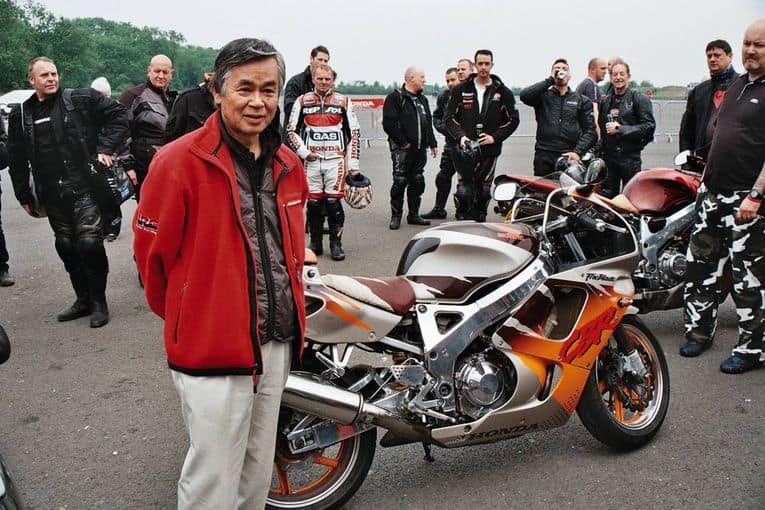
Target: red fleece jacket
193,252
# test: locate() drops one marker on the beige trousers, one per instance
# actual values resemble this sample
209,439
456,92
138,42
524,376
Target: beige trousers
232,434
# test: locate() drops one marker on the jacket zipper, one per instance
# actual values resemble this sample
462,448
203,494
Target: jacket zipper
265,255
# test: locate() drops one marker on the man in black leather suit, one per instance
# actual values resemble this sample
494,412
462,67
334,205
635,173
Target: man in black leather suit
56,134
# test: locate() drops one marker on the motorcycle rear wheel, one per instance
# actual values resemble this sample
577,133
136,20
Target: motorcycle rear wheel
628,425
322,479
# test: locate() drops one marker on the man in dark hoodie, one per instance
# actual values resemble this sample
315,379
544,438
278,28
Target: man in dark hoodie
482,109
703,106
149,106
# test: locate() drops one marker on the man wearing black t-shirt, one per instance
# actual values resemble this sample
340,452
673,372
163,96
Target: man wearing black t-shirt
730,218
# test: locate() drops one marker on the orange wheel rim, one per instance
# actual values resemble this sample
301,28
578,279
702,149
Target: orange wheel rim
330,463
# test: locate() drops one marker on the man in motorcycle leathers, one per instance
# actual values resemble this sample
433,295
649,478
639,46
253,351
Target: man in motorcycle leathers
56,135
323,130
481,108
627,125
565,119
703,105
446,168
730,219
149,105
409,125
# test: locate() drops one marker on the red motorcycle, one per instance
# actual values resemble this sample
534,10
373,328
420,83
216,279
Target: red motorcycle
659,203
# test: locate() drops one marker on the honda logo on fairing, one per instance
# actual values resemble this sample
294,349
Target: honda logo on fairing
495,434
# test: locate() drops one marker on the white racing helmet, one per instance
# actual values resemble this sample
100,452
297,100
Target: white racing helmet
358,190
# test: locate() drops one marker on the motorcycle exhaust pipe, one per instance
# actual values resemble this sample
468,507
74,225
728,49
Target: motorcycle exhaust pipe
338,404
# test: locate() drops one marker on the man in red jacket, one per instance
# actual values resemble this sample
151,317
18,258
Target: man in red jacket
220,245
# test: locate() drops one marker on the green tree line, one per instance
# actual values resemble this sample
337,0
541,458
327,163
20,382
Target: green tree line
85,48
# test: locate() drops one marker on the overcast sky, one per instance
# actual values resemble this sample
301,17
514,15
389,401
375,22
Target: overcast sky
663,41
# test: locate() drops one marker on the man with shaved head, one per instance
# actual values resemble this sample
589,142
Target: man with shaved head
409,125
149,106
730,221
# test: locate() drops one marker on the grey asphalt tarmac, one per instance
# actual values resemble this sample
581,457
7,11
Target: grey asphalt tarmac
90,419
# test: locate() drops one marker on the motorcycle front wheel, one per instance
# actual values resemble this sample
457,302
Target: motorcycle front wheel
618,408
320,479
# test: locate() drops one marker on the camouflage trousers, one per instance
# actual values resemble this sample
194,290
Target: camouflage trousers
716,237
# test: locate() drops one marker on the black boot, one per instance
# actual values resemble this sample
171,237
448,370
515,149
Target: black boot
81,307
439,209
413,217
336,246
336,220
100,315
395,217
315,215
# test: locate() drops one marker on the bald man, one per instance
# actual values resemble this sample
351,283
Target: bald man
149,106
409,125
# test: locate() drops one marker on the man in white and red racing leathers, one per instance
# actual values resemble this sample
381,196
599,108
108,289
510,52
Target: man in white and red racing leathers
322,130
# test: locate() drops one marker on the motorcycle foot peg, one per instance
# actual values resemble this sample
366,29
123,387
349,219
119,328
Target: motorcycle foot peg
428,455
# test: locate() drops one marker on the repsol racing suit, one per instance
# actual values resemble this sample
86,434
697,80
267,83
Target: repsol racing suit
325,127
497,117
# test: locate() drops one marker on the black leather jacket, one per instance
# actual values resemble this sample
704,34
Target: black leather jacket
300,84
636,120
103,124
190,111
564,122
697,111
3,150
439,115
401,120
498,116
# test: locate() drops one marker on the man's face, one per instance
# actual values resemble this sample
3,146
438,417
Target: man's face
560,66
753,50
44,79
249,99
483,65
322,81
463,70
717,60
320,58
600,70
451,80
620,78
416,82
160,73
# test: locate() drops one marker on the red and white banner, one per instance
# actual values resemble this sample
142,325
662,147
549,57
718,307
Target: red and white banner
367,103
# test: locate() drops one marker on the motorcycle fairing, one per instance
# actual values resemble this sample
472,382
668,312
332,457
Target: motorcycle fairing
551,371
441,256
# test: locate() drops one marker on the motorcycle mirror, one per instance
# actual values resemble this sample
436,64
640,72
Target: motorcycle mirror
505,191
5,346
682,158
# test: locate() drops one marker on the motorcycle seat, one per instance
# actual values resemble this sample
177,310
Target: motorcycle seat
393,293
541,183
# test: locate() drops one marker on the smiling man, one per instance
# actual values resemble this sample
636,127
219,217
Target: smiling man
220,245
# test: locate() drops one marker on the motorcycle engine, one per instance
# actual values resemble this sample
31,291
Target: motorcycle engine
672,266
482,384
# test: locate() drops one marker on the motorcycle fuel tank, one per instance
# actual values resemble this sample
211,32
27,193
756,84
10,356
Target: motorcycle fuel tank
661,191
455,259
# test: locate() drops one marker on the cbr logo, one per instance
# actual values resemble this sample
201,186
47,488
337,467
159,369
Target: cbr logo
511,431
598,277
588,336
324,136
